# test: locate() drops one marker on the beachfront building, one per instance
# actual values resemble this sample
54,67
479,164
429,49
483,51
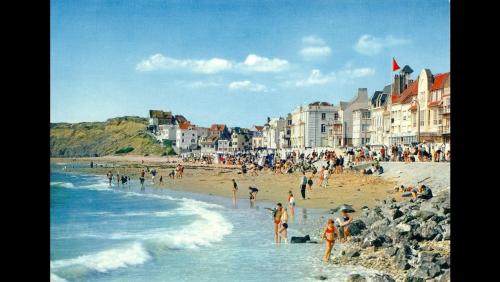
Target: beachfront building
157,118
167,133
445,126
202,131
336,129
257,137
285,134
380,117
240,139
360,101
186,137
224,145
361,127
208,144
271,132
309,125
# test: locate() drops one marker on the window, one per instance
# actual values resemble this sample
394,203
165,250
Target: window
182,140
192,141
323,128
422,118
289,122
366,114
336,116
435,116
323,116
428,117
182,136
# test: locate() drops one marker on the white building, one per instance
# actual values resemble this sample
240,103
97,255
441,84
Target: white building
271,132
360,101
186,137
223,145
361,127
167,132
380,117
310,124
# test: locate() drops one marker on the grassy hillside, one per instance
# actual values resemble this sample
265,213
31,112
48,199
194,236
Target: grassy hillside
102,138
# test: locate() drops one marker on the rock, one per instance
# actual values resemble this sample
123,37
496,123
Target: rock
356,278
425,214
402,227
428,231
402,256
446,232
392,213
380,278
414,279
356,227
443,261
380,226
321,277
391,251
438,237
352,253
427,270
372,240
445,277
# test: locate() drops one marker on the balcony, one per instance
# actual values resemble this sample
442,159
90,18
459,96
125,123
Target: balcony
446,109
444,129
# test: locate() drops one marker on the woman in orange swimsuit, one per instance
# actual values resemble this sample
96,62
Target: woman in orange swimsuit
328,235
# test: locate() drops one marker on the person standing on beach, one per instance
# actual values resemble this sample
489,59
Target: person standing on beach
328,235
161,180
143,173
253,193
235,189
291,203
110,177
303,183
310,184
326,175
345,221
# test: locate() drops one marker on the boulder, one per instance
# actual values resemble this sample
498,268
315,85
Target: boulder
428,231
352,253
321,277
402,227
442,261
380,226
391,251
411,278
356,227
424,214
426,265
402,256
380,278
356,278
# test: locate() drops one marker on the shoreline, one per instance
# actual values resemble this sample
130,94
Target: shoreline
351,187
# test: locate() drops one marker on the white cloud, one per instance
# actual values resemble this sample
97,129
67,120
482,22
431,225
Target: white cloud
359,72
316,78
370,45
316,51
160,62
252,63
256,63
313,40
343,76
247,85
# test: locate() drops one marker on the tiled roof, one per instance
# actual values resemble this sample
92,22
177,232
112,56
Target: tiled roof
259,128
409,92
375,97
217,127
439,80
185,125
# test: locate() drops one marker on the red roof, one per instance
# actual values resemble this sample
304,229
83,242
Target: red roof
185,125
217,127
439,80
259,128
409,92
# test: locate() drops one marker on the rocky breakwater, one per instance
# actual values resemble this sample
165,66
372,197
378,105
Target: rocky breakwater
408,240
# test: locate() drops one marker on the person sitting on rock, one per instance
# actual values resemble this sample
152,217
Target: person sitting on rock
423,192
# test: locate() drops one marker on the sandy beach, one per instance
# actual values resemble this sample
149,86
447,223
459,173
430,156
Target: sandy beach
348,188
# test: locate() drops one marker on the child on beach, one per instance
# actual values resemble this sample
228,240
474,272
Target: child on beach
328,235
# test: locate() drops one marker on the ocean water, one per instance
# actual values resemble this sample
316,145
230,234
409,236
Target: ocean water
125,234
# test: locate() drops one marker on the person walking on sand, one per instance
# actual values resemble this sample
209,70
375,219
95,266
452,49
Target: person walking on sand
291,203
321,175
310,184
303,183
328,235
143,173
110,177
326,175
235,189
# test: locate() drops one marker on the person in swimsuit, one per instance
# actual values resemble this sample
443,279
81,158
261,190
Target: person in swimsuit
346,220
310,184
142,179
110,177
328,235
253,193
161,179
235,189
277,220
283,226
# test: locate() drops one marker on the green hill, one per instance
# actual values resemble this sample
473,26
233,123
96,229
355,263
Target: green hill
122,135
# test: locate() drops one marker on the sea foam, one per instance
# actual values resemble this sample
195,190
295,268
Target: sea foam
62,184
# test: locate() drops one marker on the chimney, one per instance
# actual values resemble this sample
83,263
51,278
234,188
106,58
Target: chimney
397,85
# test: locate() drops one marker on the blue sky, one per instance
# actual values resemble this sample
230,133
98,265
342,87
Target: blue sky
233,62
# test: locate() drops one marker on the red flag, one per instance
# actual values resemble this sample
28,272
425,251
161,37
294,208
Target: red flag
395,65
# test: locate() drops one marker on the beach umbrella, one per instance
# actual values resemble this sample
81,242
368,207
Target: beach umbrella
346,208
